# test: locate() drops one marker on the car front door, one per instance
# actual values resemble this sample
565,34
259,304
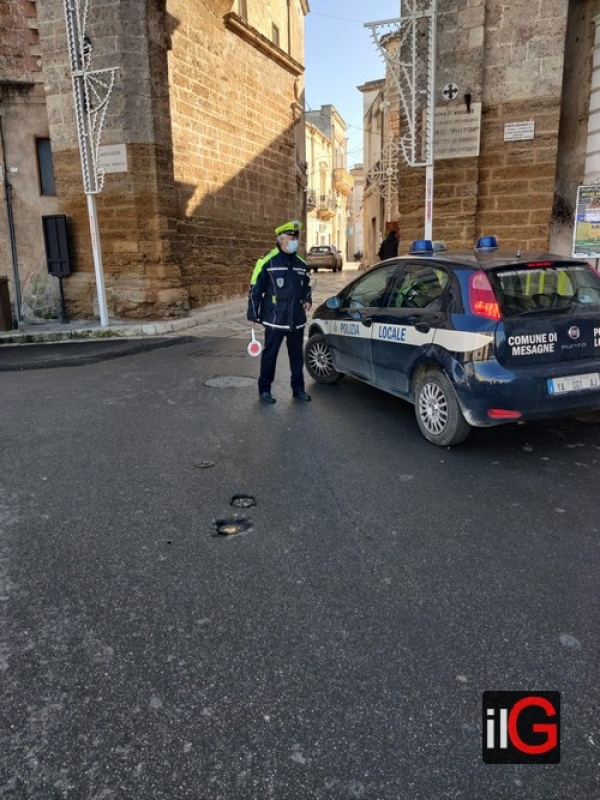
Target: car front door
350,332
404,329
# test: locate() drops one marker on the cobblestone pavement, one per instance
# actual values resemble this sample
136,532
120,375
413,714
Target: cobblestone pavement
325,284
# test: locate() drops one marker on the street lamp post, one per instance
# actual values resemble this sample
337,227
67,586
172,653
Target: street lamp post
91,92
412,65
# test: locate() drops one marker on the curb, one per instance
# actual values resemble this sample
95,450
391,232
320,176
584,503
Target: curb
51,332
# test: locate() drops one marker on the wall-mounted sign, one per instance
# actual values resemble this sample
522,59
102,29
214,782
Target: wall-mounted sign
518,131
457,131
450,91
586,237
112,158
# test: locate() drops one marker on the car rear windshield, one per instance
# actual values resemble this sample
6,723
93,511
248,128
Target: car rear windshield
546,286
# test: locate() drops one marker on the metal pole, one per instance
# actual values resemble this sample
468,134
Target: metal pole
91,91
11,229
429,155
97,252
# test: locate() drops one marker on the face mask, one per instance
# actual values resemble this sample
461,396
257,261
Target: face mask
292,246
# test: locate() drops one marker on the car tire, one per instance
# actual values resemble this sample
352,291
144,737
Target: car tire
437,410
319,364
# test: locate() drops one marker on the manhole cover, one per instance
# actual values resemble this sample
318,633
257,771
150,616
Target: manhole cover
231,527
229,382
242,501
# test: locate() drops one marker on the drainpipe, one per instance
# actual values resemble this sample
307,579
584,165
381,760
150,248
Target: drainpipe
11,229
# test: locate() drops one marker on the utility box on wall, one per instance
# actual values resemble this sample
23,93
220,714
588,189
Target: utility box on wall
57,245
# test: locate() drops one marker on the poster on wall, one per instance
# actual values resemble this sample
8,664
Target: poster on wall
586,237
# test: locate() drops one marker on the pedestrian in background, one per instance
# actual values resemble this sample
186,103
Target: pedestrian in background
279,298
389,246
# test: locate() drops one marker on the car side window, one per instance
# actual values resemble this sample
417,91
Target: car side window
421,286
373,290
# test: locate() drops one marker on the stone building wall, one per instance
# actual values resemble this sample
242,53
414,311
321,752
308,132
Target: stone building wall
23,118
509,56
208,110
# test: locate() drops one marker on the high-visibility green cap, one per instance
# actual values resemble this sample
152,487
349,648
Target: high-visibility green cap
295,226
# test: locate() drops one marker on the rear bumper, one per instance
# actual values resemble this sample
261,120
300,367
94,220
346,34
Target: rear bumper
487,385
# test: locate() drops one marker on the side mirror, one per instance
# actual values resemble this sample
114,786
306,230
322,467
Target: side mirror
333,303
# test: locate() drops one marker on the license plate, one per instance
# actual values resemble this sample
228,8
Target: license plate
574,383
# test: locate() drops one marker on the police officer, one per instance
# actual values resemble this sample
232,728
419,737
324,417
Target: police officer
279,298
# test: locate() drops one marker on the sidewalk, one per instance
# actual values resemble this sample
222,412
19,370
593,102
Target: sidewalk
231,313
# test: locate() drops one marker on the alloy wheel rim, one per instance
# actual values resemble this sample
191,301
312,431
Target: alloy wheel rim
319,359
433,408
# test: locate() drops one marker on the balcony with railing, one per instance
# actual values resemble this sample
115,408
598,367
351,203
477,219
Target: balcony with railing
326,206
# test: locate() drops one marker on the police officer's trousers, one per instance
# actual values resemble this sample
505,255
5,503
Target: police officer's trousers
273,339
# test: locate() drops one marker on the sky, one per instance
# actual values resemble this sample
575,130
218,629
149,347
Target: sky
341,55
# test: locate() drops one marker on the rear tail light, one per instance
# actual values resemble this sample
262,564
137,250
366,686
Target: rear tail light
482,300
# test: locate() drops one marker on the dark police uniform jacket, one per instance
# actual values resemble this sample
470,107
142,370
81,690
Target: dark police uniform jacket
279,286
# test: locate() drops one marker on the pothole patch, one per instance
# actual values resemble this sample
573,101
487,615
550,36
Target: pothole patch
232,526
229,382
242,501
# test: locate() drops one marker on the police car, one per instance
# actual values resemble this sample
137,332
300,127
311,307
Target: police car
470,338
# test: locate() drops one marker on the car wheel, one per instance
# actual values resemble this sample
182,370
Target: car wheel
319,363
438,414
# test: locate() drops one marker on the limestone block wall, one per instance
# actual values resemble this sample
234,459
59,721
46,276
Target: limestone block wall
234,155
509,56
23,118
207,109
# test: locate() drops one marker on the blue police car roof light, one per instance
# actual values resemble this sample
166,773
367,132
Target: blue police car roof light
439,247
485,244
421,246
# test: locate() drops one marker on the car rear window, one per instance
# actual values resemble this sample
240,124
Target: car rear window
546,286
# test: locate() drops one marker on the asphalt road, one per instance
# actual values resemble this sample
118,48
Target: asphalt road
339,646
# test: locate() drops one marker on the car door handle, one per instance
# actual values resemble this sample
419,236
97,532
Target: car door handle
367,321
422,327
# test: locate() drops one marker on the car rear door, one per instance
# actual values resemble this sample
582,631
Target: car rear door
404,329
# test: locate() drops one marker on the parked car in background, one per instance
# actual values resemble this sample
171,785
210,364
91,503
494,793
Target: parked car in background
324,256
472,339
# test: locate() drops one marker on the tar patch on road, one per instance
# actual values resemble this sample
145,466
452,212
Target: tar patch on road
21,357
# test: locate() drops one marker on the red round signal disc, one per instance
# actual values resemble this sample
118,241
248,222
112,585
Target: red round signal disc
254,348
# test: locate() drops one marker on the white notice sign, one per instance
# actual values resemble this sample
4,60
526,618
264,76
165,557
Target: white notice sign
457,131
517,131
112,158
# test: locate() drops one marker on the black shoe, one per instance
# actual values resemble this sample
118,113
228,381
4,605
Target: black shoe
302,395
267,397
